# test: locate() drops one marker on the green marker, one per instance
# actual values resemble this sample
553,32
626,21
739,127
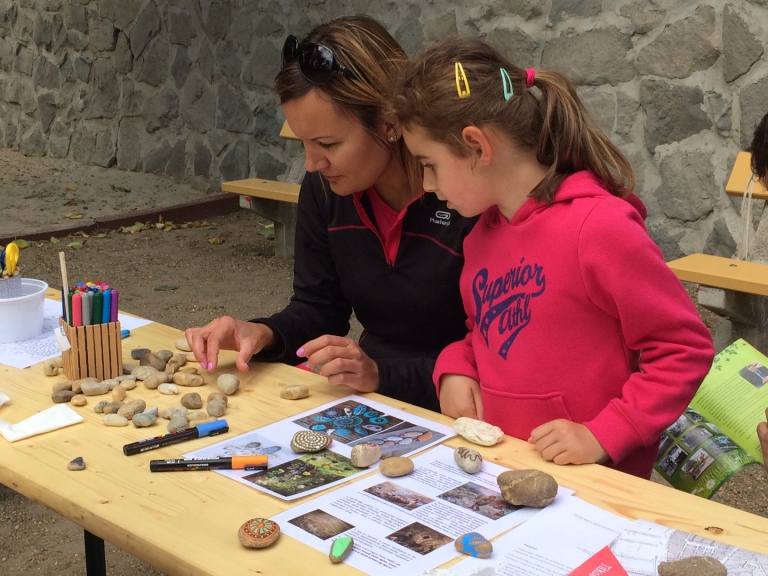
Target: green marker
97,304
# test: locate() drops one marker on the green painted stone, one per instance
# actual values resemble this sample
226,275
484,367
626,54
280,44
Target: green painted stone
341,548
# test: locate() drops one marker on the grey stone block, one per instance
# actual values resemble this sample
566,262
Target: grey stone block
216,17
688,188
410,32
156,159
145,28
667,236
720,111
129,144
562,9
105,95
46,103
103,36
6,55
234,164
626,112
263,66
77,40
205,61
122,58
104,152
43,32
672,112
24,60
46,74
180,66
27,99
124,12
267,166
591,58
645,15
682,48
265,129
440,27
181,28
161,109
75,18
82,69
154,63
131,100
32,142
720,241
753,107
267,26
234,114
527,9
82,144
10,129
229,62
67,69
741,49
602,107
177,163
58,141
202,160
198,104
515,44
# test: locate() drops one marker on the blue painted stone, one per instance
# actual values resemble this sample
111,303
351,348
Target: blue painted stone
474,544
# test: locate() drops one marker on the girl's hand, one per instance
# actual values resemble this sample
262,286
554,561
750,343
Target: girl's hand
460,396
226,333
565,442
342,361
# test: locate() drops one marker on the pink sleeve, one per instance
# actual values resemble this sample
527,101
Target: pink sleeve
625,275
457,358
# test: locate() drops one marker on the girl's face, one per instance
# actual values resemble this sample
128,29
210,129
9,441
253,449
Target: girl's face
337,145
449,176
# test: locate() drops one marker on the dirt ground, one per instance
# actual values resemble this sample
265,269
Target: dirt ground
180,276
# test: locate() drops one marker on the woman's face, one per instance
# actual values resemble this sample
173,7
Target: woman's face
336,144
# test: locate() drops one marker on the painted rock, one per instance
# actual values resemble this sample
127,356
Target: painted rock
527,488
396,466
76,464
182,344
693,566
164,355
216,408
192,401
115,420
478,431
79,400
91,388
129,409
137,353
363,455
62,396
474,544
340,548
228,383
468,460
309,441
258,533
295,392
169,389
144,419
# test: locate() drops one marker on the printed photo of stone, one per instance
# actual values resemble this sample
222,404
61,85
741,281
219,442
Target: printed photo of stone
401,439
399,496
321,524
349,421
482,500
419,538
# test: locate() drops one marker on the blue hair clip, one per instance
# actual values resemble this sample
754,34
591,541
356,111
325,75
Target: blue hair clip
507,83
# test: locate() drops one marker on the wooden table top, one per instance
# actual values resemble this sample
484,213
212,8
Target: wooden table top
186,523
740,174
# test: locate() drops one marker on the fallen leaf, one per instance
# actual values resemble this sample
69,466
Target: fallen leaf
54,240
75,245
74,215
267,232
119,188
21,243
159,225
215,240
165,288
102,235
70,189
72,202
210,282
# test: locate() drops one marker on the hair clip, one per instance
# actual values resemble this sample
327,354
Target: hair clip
530,77
461,78
506,81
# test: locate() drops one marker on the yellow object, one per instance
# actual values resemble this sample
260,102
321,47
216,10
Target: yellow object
740,174
462,84
723,273
11,257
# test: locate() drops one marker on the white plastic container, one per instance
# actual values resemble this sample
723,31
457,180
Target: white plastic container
22,318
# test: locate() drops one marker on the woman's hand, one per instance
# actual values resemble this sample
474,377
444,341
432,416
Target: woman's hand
566,442
342,361
226,333
460,396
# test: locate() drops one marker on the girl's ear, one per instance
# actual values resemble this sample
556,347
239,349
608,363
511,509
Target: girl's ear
477,142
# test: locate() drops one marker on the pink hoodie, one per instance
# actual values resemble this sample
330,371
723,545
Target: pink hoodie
574,314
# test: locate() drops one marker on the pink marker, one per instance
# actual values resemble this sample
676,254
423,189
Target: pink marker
77,310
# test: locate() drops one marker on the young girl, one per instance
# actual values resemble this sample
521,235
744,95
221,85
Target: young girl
581,340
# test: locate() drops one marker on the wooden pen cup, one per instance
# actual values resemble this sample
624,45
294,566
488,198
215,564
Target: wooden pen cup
96,351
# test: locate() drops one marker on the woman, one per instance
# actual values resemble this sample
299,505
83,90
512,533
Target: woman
368,239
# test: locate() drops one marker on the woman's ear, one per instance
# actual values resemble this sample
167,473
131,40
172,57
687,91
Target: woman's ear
478,144
390,129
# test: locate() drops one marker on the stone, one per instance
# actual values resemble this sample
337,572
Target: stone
672,112
104,153
409,32
468,459
363,455
164,355
688,190
187,379
111,383
76,464
168,389
601,106
396,466
268,165
75,18
228,383
118,393
474,544
514,42
177,424
295,392
340,548
478,431
234,114
682,48
234,164
197,415
309,441
741,49
181,344
181,28
527,488
99,408
59,361
77,385
626,112
130,409
129,383
218,395
151,411
193,401
645,15
106,91
122,57
115,420
154,63
143,419
63,385
137,353
189,370
79,400
591,58
198,105
445,25
179,358
216,408
146,26
230,66
94,388
112,407
46,103
752,103
102,36
144,372
173,411
720,241
154,380
258,533
180,66
58,141
150,359
562,9
160,110
50,368
693,566
62,396
262,66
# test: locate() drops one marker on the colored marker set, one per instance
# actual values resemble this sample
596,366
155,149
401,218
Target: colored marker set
91,303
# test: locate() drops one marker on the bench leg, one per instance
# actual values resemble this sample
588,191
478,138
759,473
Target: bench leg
741,316
283,214
95,562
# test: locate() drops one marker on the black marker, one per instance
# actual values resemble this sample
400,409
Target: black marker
254,462
208,429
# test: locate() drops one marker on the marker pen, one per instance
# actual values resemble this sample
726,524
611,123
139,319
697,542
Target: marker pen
97,310
77,311
107,308
255,462
113,305
209,429
87,304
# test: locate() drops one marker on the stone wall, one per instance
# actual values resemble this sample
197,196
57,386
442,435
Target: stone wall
183,86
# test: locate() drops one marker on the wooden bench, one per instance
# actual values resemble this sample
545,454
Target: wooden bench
742,170
273,200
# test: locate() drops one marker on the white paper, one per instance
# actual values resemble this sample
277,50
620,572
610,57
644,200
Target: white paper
407,525
644,545
351,420
555,542
28,352
49,419
3,399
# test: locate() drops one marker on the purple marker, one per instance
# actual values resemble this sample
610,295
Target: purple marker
113,305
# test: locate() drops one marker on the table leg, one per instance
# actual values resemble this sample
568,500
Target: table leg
95,562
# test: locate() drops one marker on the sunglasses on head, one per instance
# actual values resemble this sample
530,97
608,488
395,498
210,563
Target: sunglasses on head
317,63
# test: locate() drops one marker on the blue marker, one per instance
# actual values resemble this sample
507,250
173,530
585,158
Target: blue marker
107,310
124,333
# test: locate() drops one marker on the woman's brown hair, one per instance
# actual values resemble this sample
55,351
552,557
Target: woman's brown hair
363,45
555,124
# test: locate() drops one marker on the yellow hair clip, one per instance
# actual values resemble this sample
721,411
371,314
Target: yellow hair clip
461,78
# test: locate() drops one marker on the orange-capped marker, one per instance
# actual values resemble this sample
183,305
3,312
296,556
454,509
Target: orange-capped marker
255,462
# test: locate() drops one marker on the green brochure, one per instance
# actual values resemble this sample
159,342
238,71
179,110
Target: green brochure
716,437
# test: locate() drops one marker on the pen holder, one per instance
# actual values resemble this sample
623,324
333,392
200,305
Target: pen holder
96,351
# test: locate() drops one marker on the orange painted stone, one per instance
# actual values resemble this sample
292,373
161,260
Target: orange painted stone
258,533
